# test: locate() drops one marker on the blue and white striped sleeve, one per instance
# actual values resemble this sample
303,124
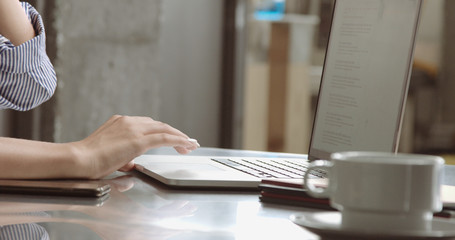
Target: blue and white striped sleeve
27,77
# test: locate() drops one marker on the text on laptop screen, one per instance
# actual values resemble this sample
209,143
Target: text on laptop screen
366,76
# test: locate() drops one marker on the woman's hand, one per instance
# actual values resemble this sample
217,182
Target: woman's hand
122,138
112,147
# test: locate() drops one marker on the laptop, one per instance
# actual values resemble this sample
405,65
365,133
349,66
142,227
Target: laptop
360,107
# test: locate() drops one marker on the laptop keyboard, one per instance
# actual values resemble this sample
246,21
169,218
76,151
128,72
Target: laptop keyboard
270,168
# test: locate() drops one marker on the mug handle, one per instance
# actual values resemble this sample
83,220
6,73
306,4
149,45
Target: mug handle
312,189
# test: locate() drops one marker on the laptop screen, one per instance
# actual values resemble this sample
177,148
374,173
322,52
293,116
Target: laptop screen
366,76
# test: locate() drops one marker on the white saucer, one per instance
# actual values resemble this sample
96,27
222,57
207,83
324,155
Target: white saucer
328,226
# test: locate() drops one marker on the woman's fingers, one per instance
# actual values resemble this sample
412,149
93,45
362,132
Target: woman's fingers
153,126
182,150
159,134
169,140
145,125
122,138
128,167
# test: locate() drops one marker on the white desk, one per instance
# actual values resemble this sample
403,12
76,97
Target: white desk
140,208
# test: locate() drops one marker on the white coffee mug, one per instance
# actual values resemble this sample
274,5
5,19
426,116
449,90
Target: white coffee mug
381,190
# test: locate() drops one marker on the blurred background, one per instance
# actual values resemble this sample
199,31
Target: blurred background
206,67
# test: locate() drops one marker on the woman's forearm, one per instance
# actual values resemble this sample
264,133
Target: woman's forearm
113,146
14,23
26,159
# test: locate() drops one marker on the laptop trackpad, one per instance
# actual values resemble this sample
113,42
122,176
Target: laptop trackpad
185,166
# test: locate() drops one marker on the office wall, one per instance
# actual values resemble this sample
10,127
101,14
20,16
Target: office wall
107,63
139,57
190,66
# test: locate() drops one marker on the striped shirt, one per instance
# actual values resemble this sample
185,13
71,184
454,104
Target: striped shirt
27,77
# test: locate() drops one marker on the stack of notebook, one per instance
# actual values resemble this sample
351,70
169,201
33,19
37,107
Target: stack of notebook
291,192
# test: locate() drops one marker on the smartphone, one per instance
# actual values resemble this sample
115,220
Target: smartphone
56,188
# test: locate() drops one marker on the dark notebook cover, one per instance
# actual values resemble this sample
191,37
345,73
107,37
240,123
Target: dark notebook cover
290,192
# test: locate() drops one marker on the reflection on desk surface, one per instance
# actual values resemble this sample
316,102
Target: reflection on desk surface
139,209
108,219
26,231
